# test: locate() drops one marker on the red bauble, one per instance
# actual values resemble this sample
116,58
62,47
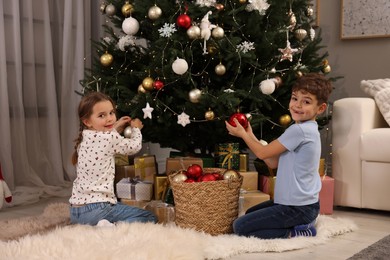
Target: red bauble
194,171
241,118
184,21
218,176
158,84
189,180
208,177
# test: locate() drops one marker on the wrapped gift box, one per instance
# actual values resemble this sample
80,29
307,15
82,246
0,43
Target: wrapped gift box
208,160
160,186
227,156
326,195
244,162
133,190
164,212
249,199
145,167
267,184
125,171
181,163
321,168
250,181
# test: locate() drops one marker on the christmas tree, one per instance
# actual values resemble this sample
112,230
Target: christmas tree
184,67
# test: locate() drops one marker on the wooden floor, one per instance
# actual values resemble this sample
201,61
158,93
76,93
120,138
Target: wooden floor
373,225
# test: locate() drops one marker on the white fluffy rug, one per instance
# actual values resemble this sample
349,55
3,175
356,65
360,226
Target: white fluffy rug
155,241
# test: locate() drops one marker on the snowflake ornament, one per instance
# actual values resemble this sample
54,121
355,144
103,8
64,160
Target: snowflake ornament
203,3
259,5
245,46
287,53
125,41
167,30
148,111
183,119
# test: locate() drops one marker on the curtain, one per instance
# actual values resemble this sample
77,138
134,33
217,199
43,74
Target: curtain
42,58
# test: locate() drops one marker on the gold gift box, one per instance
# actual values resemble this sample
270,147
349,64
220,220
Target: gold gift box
124,171
160,186
145,167
250,181
135,203
249,199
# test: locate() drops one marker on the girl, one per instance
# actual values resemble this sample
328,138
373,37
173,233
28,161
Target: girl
93,198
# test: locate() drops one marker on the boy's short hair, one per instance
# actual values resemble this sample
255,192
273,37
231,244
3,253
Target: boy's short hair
316,84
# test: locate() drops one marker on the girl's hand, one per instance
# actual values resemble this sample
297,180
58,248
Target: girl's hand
122,123
136,123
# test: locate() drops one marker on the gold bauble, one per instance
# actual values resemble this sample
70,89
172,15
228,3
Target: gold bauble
299,73
326,69
309,11
300,34
193,32
195,95
325,62
242,1
127,9
154,12
211,49
219,7
141,89
217,32
209,115
147,83
220,69
285,120
278,81
106,59
103,7
230,175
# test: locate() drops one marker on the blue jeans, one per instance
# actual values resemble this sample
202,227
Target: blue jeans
269,220
94,212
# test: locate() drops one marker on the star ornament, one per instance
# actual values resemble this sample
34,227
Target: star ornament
183,119
287,53
148,111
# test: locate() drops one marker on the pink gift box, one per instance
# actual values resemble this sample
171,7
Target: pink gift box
267,184
326,195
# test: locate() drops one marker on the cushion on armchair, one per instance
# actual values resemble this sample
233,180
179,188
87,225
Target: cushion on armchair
379,89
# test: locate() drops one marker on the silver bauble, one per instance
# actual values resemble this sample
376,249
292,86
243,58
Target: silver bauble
300,34
193,32
110,10
217,33
154,12
195,95
180,177
220,69
127,132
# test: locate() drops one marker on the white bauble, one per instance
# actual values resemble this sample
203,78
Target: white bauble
130,26
194,95
180,66
127,132
154,12
110,10
267,86
193,32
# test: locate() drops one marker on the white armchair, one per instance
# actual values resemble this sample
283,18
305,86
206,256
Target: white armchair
360,154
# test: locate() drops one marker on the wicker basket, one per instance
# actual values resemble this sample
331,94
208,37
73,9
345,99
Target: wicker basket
207,206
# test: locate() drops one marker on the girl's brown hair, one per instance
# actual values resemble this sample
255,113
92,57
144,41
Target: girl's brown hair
316,84
84,111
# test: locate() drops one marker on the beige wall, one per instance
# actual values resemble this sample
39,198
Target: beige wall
355,60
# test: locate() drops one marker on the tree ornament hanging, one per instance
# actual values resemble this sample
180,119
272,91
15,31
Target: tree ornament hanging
180,66
148,111
205,30
130,26
154,12
194,95
183,21
300,34
158,84
106,59
292,20
127,132
278,81
219,7
242,1
218,33
147,83
193,32
127,9
326,67
183,119
220,69
209,115
287,53
309,11
103,7
285,120
267,86
141,89
110,10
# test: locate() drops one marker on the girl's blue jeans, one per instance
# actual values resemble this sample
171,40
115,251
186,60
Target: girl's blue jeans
269,220
94,212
